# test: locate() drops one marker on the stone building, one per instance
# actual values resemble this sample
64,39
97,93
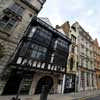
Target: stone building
86,67
71,73
96,50
15,15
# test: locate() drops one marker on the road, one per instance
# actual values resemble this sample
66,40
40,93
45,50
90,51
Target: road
92,98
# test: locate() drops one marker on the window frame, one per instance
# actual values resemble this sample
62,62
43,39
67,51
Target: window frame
9,22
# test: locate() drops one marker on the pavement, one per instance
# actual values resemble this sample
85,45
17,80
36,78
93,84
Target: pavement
69,96
90,98
50,97
94,98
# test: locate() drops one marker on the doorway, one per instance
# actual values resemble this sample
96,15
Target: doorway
13,82
47,80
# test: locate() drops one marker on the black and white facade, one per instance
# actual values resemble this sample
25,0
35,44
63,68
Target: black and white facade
40,59
15,16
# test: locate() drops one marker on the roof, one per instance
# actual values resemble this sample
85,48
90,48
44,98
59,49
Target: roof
50,28
45,19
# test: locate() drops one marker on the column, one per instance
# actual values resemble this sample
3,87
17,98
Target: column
95,82
91,78
79,81
85,80
63,85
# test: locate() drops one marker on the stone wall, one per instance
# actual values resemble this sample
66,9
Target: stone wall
10,42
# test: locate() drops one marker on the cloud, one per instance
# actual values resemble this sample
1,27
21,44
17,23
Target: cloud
90,12
86,12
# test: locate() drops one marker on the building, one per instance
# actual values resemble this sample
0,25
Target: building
97,61
45,19
36,62
15,15
86,68
72,62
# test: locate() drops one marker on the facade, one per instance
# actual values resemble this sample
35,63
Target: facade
45,19
86,67
83,63
71,74
97,61
15,15
38,63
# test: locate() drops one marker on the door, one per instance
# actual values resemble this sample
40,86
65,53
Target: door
42,82
13,83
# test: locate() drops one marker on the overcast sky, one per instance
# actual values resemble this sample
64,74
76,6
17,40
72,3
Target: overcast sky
86,12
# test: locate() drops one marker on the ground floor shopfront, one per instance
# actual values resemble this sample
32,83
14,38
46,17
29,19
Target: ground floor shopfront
98,78
33,82
69,85
86,80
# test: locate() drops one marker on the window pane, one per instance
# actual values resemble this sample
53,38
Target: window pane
14,7
36,47
34,53
32,32
7,23
12,21
38,55
5,19
20,11
41,36
8,27
2,24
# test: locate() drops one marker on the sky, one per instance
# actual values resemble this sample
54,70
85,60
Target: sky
86,12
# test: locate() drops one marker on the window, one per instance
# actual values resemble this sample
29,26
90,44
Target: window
38,52
73,38
71,64
17,9
62,45
7,23
88,79
73,28
92,79
73,49
32,32
33,51
83,80
42,35
99,76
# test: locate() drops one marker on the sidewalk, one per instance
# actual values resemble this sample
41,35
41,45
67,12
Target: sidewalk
69,96
84,94
50,97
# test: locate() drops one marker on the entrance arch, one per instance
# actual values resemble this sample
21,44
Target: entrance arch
46,80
